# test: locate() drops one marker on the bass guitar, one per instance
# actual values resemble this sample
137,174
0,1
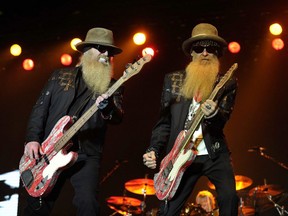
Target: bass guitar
39,176
183,153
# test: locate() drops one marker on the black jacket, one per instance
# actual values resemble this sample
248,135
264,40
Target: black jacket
174,110
55,101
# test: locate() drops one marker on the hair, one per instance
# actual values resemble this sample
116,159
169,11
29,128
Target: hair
205,193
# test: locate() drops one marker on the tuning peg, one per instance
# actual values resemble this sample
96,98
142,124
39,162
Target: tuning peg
128,65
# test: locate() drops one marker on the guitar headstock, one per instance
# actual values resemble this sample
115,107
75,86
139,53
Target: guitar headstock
227,76
134,68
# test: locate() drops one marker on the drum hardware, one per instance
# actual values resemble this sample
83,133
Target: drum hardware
262,194
143,187
280,209
264,190
245,210
124,205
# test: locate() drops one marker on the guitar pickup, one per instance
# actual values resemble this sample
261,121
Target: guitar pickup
27,178
168,169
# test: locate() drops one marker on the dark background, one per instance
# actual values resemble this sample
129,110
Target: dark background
260,116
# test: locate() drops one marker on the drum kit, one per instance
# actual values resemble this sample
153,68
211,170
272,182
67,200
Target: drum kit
251,201
256,197
129,206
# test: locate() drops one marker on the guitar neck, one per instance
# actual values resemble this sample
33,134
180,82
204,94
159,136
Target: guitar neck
85,117
196,121
128,73
199,114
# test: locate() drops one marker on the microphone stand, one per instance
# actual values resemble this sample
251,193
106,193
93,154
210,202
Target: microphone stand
280,209
112,170
271,158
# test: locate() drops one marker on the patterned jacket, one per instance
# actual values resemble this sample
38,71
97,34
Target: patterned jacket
54,102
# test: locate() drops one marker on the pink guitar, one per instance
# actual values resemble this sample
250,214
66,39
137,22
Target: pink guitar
39,176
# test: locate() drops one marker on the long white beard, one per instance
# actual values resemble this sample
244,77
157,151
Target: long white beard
96,75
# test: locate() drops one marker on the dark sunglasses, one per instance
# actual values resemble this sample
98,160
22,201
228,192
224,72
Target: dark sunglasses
102,49
209,49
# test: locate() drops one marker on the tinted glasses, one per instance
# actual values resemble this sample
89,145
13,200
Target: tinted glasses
209,49
102,49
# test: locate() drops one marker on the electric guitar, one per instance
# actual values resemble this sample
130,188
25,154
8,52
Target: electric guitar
183,153
39,176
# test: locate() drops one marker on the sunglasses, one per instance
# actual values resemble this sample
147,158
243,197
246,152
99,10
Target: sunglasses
209,49
102,49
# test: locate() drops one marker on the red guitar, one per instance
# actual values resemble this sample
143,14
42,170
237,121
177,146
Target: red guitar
39,176
174,164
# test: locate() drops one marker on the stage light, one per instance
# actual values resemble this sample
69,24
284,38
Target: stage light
148,50
66,59
278,44
275,29
139,38
28,64
15,50
74,42
234,47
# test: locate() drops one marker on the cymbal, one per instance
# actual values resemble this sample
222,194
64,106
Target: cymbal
247,210
241,182
125,210
264,190
126,201
141,186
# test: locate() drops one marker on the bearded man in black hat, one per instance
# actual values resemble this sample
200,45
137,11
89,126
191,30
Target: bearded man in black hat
71,92
184,92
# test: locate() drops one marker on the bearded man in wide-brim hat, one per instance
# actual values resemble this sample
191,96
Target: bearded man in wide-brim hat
70,96
187,105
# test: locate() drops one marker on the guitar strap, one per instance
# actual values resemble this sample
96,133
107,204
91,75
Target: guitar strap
81,98
76,115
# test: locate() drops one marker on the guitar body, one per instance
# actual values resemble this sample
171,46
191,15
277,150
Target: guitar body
172,168
39,176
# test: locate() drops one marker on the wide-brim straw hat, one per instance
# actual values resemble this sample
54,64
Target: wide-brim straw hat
203,31
99,36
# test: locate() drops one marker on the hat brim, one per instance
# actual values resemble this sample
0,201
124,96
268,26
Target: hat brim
81,45
186,46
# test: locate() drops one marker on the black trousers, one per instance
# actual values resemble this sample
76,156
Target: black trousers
219,172
84,178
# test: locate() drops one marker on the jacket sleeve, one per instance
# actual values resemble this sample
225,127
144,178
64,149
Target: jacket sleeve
226,100
113,111
39,113
161,131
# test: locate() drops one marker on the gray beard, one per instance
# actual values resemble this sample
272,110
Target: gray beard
96,75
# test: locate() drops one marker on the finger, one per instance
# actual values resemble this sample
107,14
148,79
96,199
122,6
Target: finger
105,96
30,154
36,155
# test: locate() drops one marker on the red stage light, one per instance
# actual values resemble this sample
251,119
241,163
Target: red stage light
28,64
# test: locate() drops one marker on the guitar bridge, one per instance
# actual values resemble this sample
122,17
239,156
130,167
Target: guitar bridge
41,183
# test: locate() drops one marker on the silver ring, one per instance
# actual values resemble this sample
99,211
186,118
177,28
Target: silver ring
208,106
